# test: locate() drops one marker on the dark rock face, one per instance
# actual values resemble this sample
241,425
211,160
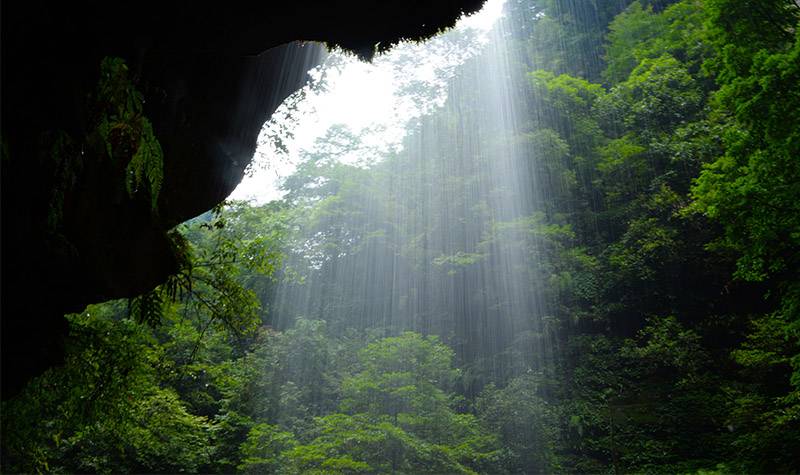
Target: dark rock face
211,76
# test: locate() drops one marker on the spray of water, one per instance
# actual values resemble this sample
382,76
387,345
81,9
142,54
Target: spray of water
423,210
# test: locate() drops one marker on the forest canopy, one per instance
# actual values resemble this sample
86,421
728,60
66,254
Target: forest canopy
585,261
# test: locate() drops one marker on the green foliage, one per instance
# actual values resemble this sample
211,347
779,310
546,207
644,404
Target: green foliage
145,398
752,187
125,133
567,36
569,103
219,265
665,343
765,412
457,260
627,33
357,444
740,30
623,169
104,411
644,249
147,308
639,33
262,451
399,416
661,120
661,247
525,422
406,377
659,94
146,165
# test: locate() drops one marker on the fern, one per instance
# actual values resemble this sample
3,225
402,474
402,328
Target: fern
146,165
147,308
124,131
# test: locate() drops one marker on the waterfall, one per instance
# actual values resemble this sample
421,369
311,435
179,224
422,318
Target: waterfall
440,232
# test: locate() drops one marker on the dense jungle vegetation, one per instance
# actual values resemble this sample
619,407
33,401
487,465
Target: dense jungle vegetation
666,137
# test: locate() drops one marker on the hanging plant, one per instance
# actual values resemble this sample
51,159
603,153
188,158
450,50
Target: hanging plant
124,131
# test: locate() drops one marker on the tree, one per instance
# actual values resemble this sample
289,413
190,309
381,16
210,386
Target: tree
524,422
408,378
104,411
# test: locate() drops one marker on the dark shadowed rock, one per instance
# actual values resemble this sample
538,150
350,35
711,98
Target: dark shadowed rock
211,76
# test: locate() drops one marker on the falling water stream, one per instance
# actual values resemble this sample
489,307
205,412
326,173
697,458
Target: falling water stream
425,215
557,238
